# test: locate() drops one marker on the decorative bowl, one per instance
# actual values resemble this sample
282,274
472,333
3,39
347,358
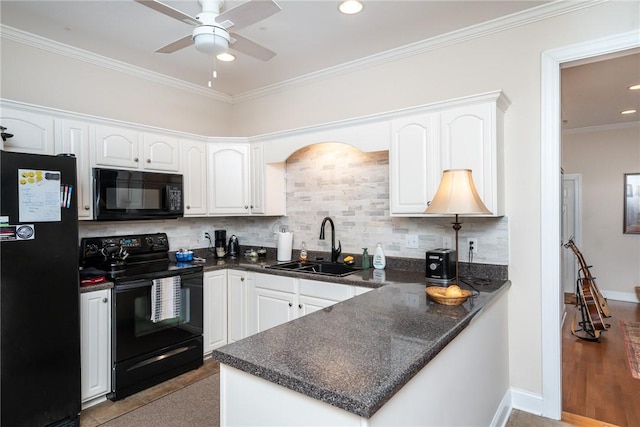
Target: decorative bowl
438,294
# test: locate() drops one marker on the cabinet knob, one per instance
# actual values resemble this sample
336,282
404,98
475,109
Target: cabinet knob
188,207
105,300
135,159
429,203
300,306
246,206
251,206
86,207
290,304
242,279
148,160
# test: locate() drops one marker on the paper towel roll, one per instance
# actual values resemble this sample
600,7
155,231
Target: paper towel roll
285,244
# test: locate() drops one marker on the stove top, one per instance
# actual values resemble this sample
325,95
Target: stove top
130,257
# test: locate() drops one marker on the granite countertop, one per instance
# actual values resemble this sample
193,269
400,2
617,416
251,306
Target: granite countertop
386,336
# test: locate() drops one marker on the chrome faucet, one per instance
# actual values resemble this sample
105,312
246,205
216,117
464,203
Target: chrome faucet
335,252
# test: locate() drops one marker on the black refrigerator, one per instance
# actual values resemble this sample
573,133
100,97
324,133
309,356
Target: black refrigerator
39,291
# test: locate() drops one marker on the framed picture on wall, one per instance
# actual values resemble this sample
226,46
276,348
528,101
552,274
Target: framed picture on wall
631,203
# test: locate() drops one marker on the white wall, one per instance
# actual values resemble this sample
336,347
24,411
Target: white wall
509,60
615,256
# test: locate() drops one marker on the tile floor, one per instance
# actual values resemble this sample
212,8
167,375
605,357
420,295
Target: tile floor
108,410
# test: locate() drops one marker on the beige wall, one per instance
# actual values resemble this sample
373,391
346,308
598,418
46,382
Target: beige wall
602,157
509,61
36,76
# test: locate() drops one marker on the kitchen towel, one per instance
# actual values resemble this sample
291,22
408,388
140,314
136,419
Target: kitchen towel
165,299
285,244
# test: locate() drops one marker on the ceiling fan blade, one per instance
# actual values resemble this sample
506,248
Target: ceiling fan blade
169,11
247,13
176,45
251,48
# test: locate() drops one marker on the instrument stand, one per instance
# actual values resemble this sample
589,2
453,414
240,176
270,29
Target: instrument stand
587,331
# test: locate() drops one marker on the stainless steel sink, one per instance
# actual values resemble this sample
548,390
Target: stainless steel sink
322,268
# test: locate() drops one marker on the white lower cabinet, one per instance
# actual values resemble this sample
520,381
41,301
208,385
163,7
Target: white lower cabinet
214,310
275,299
281,299
95,344
240,305
315,295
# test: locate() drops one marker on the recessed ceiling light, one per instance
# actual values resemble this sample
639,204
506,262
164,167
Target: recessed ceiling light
350,7
634,87
628,111
225,57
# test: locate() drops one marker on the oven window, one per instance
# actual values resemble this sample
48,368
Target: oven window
143,323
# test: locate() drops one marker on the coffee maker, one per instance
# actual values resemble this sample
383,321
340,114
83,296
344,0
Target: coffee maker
221,243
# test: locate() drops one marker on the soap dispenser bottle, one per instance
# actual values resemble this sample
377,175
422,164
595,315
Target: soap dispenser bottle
379,260
365,258
303,253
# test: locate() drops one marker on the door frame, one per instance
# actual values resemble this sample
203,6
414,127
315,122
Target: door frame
550,183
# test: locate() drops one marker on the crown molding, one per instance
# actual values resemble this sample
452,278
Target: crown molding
539,13
29,39
602,128
518,19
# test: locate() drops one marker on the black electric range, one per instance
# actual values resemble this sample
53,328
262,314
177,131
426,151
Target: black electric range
157,309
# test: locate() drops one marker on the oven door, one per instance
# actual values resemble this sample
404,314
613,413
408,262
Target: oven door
147,352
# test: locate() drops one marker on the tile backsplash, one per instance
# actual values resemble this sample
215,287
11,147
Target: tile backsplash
351,187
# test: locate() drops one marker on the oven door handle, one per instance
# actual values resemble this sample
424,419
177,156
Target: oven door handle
133,284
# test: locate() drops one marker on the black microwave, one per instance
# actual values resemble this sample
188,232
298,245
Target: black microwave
131,195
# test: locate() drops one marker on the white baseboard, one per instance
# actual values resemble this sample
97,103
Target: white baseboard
501,417
526,401
621,296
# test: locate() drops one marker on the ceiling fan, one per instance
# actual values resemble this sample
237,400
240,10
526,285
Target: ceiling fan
215,31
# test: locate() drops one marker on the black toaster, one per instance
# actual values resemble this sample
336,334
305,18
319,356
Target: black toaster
441,264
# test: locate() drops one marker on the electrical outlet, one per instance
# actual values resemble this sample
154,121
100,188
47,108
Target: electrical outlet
447,243
472,245
411,241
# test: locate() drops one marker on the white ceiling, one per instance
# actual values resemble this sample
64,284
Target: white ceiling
310,37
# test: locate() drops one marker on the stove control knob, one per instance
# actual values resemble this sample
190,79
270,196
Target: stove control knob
433,266
149,241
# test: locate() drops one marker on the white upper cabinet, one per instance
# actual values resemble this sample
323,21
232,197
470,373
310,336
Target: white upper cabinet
116,147
32,132
268,184
470,141
194,166
414,163
121,147
228,178
160,152
464,134
74,138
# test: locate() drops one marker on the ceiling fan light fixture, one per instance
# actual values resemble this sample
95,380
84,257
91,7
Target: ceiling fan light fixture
211,39
350,7
226,57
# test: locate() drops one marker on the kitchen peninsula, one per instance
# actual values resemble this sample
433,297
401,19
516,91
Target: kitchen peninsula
391,356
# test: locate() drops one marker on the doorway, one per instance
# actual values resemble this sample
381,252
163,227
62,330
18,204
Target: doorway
571,228
550,221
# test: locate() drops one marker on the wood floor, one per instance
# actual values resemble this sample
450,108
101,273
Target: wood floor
596,381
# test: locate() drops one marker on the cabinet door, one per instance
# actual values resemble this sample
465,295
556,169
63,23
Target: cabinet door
116,147
257,180
215,310
316,295
268,184
239,305
469,142
414,164
273,308
32,133
228,178
74,139
194,167
160,153
95,343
